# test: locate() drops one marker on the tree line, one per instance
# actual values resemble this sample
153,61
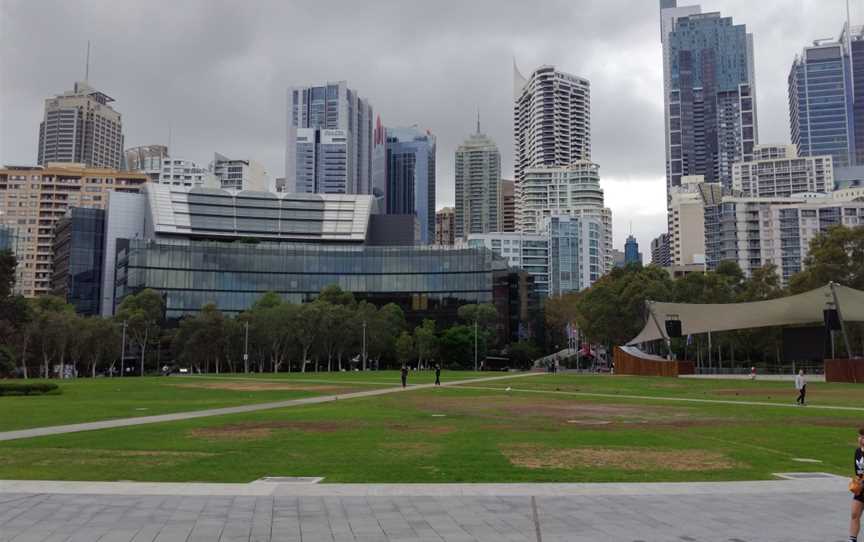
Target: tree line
613,311
44,337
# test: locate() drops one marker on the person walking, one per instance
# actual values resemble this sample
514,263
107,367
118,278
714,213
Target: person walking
437,374
856,486
801,386
404,375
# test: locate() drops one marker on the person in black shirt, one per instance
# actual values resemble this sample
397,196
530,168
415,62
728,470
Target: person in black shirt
437,374
404,375
858,500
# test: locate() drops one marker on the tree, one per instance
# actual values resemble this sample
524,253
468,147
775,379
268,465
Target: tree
334,295
405,347
307,330
704,288
764,283
834,256
201,339
46,326
485,315
142,313
8,264
558,313
457,347
426,342
523,354
613,310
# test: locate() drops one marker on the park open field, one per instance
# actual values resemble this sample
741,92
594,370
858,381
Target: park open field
563,428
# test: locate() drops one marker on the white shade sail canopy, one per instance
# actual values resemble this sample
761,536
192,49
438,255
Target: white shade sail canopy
803,308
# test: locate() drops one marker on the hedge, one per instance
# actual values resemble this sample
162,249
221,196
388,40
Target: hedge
36,388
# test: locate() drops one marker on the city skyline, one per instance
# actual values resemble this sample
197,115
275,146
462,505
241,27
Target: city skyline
231,95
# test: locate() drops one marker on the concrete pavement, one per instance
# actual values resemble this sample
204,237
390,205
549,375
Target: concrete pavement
788,511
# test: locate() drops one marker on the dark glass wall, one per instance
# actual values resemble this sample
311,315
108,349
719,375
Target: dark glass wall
78,259
427,282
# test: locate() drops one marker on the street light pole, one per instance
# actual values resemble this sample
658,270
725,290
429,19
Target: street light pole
123,350
364,345
246,351
475,345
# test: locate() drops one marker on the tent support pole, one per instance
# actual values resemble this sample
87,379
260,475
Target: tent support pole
661,330
840,317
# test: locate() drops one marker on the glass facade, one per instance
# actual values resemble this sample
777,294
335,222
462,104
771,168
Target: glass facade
821,104
710,98
78,259
426,282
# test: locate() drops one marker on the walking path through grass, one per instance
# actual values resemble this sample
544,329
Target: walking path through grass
142,420
663,398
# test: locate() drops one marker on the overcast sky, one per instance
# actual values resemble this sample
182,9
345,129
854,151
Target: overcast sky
215,72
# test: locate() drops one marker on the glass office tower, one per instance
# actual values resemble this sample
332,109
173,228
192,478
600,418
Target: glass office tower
824,101
709,81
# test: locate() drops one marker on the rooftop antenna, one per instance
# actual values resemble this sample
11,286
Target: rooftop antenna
478,121
87,64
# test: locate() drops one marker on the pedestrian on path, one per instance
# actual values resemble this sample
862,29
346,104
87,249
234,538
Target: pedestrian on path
856,486
404,375
437,374
801,386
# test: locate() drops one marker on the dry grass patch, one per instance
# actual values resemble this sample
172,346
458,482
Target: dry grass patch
411,449
84,457
530,456
264,386
263,430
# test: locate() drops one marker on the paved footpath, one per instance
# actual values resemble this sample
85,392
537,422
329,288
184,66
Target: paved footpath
177,416
787,511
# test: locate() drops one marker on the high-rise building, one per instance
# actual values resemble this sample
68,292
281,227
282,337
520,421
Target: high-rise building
78,246
508,206
34,199
81,127
824,99
709,94
754,232
445,227
572,190
661,250
408,170
160,168
551,123
686,219
631,251
567,255
478,186
146,159
235,174
329,143
777,170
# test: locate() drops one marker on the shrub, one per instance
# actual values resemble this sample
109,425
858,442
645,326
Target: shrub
36,388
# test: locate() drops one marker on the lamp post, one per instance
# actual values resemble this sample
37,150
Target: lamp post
246,350
123,350
363,352
475,345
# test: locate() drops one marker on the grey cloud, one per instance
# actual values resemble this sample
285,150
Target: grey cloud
216,71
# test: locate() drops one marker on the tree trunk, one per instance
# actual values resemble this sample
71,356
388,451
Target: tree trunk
24,360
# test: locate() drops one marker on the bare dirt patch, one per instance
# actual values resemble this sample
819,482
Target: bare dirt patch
85,457
263,430
422,429
264,386
412,449
539,457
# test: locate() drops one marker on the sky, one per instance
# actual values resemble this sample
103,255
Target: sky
214,73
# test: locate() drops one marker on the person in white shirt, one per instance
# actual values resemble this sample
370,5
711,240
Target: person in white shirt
801,386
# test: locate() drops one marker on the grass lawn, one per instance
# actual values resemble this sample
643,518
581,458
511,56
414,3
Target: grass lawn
86,400
470,435
784,393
